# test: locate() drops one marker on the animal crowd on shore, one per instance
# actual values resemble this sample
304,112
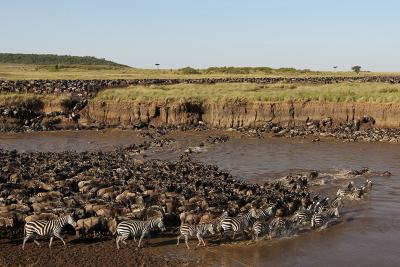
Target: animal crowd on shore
112,194
88,88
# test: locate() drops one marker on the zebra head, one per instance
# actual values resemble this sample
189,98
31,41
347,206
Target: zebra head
340,192
313,221
71,220
252,213
337,212
160,224
210,228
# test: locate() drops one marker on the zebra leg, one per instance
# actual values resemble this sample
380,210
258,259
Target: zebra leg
186,241
204,243
178,239
234,234
25,239
59,237
117,241
36,242
199,238
51,241
140,240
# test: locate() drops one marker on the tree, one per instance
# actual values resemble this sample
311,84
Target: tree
356,69
334,67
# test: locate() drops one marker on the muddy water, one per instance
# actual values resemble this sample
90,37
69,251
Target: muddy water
368,234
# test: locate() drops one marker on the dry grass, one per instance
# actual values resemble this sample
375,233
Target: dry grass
16,99
341,92
29,72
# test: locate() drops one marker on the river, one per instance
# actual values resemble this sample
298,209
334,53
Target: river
368,233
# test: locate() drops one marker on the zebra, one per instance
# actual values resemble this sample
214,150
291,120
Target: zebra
322,219
337,202
259,228
368,186
277,225
266,214
50,228
238,223
349,188
281,226
304,216
322,204
217,221
199,230
137,228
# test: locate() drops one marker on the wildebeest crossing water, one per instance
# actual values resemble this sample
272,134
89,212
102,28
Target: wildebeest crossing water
261,158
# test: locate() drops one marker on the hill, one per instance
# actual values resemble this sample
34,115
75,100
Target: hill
49,59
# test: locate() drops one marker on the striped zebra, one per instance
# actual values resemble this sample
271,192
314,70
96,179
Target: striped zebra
322,219
368,186
321,205
337,202
217,221
349,188
129,228
266,214
277,226
199,230
260,228
304,216
284,226
239,223
50,228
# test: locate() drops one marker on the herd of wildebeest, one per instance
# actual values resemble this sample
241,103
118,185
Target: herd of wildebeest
89,88
114,194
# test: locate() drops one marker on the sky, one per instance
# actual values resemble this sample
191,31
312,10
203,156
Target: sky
305,34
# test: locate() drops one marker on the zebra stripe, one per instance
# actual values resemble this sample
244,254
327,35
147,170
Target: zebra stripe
50,228
322,219
238,223
304,216
259,228
337,202
266,214
199,230
126,229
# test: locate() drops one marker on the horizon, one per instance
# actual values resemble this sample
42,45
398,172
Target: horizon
307,35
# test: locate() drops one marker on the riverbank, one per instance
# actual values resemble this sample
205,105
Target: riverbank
351,111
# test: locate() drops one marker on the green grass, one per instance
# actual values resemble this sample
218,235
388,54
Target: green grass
341,92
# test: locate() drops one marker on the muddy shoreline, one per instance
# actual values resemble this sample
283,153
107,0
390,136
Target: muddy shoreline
344,121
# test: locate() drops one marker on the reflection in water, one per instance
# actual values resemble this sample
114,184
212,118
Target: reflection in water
368,234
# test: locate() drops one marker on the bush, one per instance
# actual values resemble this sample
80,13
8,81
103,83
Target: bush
189,70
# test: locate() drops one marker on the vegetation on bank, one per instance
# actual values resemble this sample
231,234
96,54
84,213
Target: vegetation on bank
58,61
9,99
341,92
244,71
88,72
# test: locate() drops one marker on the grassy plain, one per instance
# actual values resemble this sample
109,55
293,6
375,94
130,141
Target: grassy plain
341,92
29,72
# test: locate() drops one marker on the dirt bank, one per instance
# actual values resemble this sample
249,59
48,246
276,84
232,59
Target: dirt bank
236,114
